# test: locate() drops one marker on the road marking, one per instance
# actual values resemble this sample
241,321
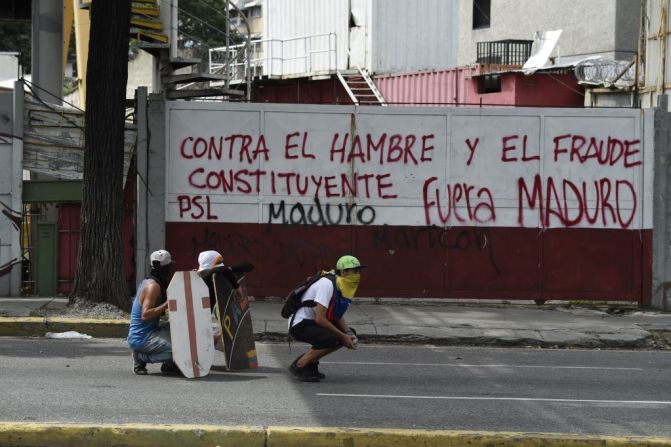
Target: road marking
465,365
520,399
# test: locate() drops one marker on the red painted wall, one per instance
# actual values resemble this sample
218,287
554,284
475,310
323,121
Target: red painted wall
68,239
460,86
458,262
548,90
300,91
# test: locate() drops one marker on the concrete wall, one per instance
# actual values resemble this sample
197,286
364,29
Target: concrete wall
155,179
11,150
613,25
478,203
141,74
661,268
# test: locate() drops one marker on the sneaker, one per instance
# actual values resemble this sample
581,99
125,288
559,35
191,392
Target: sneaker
139,367
294,369
170,368
304,374
315,369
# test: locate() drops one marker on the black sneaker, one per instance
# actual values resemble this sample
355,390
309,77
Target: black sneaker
170,368
139,367
294,369
304,374
315,369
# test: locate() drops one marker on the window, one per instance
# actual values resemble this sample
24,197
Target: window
481,13
489,84
254,11
15,10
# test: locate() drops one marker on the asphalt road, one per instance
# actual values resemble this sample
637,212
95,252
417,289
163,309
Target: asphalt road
567,391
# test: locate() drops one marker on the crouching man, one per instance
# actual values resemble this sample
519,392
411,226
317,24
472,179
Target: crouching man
147,337
323,325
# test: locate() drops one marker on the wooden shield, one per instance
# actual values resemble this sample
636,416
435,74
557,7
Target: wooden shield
190,324
235,319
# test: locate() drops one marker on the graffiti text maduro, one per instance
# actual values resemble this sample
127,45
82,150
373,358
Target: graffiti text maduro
321,214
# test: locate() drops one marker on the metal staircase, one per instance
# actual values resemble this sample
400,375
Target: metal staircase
360,87
177,80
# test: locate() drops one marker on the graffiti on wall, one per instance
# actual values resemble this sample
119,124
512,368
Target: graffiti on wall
441,169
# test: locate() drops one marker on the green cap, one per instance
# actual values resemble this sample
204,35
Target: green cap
348,262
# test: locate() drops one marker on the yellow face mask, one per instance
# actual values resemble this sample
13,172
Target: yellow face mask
348,284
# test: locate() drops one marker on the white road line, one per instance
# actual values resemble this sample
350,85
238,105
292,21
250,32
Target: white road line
520,399
464,365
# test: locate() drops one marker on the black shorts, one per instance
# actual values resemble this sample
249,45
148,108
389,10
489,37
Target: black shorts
308,331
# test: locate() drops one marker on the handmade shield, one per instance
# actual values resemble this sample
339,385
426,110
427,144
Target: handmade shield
235,318
190,324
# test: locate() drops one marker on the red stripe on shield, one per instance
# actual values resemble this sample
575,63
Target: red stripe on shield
191,322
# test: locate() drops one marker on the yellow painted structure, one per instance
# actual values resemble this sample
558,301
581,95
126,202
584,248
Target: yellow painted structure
24,434
145,24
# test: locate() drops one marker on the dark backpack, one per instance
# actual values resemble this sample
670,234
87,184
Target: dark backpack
293,301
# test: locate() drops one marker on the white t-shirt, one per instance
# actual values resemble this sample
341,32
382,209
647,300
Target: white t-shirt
321,292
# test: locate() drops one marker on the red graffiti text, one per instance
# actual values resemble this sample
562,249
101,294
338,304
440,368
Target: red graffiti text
462,203
247,148
604,151
613,202
396,148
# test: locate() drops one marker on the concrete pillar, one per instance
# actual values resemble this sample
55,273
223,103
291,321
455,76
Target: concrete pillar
47,51
141,210
156,172
661,230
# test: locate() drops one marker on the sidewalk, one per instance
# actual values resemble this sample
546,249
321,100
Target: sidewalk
469,322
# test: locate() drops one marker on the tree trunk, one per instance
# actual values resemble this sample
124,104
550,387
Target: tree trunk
100,262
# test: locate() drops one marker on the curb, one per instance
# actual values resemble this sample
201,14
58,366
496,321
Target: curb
118,328
132,435
37,326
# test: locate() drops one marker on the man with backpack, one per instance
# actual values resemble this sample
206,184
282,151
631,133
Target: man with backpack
320,322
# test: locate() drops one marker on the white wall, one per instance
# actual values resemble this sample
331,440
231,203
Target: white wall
9,66
535,168
589,26
291,19
414,35
141,74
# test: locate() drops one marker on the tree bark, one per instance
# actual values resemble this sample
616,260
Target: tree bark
100,261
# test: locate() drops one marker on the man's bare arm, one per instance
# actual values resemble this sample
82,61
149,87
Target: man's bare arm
321,320
149,298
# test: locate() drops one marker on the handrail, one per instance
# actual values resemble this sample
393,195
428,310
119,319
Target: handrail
371,85
241,47
268,48
349,91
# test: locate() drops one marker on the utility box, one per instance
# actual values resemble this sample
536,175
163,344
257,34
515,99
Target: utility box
47,247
